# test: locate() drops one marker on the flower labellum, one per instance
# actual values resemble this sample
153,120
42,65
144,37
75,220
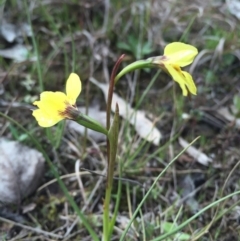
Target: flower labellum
177,55
56,106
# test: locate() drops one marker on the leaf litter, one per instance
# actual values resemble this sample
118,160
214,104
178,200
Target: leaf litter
11,32
15,34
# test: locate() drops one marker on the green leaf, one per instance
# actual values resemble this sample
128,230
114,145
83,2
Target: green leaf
168,227
123,46
147,48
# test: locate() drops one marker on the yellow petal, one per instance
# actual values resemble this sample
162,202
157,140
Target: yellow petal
44,119
178,77
180,54
73,88
52,102
190,83
50,105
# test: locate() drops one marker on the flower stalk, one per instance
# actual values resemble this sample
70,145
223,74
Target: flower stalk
111,154
90,123
140,64
113,142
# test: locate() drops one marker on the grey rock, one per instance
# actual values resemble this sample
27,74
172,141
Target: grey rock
21,169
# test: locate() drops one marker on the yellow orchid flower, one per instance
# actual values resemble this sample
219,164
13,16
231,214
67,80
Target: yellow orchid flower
178,55
56,106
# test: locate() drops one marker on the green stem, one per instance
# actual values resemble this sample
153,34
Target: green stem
140,64
113,142
90,123
116,208
111,148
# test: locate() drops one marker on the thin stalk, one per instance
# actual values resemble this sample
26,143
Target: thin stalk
147,89
39,70
111,149
140,64
2,5
113,142
90,123
187,29
73,51
116,208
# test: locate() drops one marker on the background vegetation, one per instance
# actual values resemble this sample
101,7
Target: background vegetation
87,37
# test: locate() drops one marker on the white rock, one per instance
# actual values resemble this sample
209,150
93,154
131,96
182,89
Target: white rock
21,169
